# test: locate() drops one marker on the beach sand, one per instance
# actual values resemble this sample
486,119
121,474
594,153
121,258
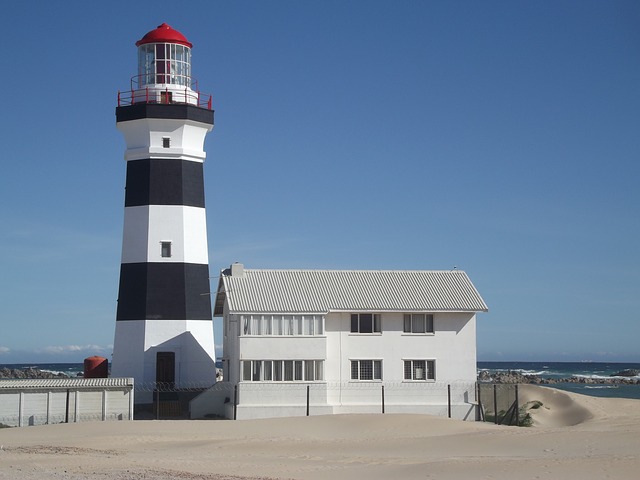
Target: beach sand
574,437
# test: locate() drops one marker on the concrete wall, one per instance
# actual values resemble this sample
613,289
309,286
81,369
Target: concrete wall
40,407
287,399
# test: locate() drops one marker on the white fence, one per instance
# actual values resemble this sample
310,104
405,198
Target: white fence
40,402
271,399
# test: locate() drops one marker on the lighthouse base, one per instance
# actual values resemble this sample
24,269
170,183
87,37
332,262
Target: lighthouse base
164,355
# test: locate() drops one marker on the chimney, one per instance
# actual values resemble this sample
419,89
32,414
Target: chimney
237,270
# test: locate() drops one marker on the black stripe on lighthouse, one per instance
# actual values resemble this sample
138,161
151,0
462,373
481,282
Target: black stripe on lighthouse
164,182
164,291
176,111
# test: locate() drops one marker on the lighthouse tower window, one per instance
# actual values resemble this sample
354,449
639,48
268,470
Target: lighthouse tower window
166,142
164,63
165,249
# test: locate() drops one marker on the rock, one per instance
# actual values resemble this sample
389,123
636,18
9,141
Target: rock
28,373
517,377
626,373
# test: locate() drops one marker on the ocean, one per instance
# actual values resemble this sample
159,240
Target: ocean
555,370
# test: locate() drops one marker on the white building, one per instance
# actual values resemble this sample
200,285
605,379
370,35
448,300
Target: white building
302,342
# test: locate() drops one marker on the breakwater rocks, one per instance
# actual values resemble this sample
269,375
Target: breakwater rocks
28,373
518,377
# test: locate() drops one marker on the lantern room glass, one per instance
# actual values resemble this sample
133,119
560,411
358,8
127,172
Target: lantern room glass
164,63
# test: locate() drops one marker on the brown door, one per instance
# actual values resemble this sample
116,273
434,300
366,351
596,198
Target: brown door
166,369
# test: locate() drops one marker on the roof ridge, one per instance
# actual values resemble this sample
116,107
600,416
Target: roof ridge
357,270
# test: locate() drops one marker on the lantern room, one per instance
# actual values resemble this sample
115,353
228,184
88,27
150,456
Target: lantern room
164,57
164,70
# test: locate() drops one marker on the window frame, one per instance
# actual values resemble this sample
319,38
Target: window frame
164,63
361,371
358,320
408,323
282,371
280,325
165,249
411,365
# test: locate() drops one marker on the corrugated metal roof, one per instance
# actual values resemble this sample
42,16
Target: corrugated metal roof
322,291
61,383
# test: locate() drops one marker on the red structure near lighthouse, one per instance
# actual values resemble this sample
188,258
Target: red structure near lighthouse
164,329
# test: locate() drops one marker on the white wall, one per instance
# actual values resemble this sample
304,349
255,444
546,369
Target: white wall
48,406
264,400
128,350
283,348
147,225
138,342
452,346
144,138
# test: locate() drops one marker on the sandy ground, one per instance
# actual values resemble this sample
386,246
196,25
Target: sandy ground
575,437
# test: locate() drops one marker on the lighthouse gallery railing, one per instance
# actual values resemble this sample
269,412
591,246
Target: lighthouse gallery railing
165,93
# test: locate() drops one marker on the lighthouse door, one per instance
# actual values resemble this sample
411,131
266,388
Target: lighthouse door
166,369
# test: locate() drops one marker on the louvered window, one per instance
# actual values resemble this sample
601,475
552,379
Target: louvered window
282,370
284,325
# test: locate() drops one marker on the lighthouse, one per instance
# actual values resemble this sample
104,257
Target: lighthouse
164,327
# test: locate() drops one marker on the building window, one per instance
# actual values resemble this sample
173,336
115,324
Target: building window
282,370
418,323
166,142
283,325
366,369
366,323
419,370
165,249
246,371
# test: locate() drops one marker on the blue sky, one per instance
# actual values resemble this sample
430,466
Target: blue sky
501,137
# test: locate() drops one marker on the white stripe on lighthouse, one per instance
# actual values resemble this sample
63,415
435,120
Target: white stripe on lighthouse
147,226
145,136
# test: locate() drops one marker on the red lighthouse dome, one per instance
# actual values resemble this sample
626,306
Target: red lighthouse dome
164,34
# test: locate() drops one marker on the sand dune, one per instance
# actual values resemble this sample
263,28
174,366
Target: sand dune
558,408
574,437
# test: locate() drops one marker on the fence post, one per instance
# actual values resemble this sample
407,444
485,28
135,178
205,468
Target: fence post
308,386
235,401
49,407
66,416
517,408
495,404
382,398
449,399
